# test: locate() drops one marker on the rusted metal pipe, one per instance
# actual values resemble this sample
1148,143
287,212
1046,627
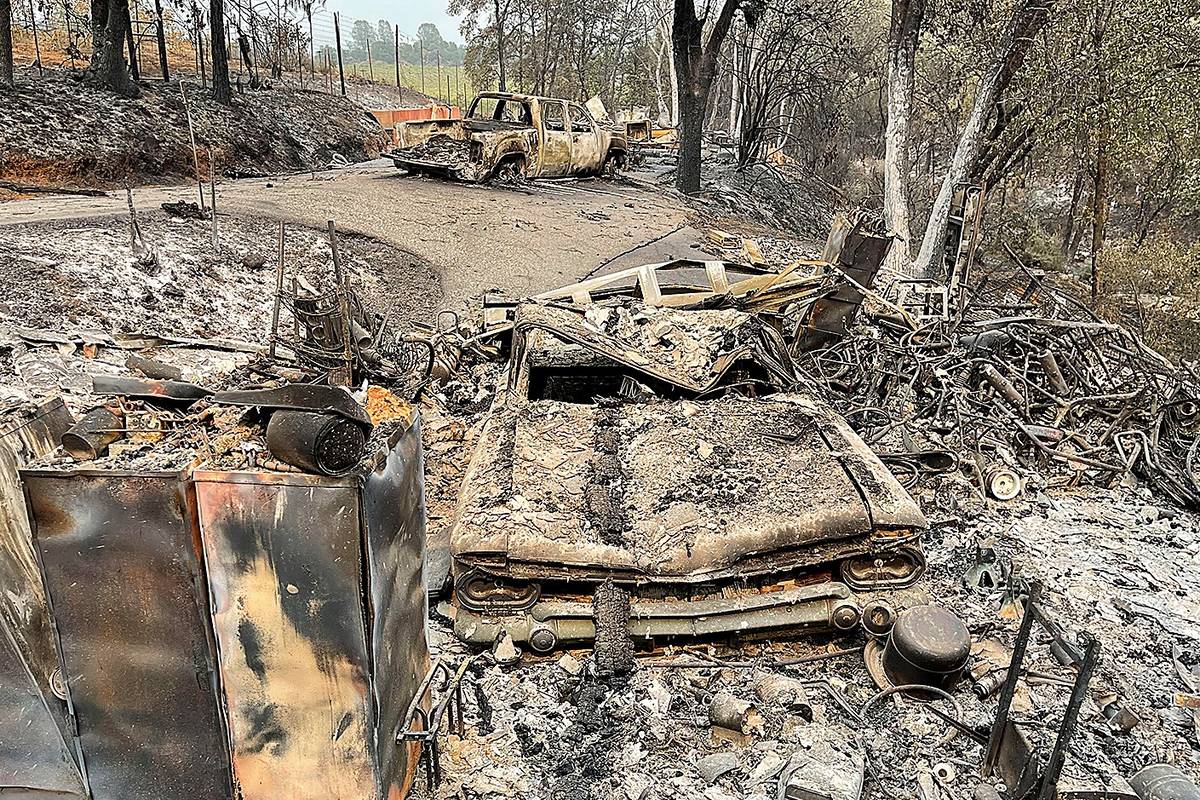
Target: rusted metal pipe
90,437
1053,373
1004,387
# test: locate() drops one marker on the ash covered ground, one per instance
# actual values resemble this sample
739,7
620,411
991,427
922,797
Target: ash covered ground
79,281
101,140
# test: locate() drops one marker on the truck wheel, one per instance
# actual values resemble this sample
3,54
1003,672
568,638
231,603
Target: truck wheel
510,170
614,164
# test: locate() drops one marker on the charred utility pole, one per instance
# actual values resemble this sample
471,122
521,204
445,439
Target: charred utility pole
220,55
337,37
396,42
162,41
6,48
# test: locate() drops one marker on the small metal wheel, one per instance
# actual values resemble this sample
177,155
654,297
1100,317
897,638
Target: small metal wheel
1003,484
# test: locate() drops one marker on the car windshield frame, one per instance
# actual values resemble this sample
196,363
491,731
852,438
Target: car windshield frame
501,109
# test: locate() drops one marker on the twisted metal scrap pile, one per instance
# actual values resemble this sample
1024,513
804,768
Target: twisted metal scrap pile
1025,378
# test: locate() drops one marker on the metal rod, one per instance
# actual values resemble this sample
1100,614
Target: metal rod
1000,726
192,133
278,290
339,277
1058,755
37,46
212,195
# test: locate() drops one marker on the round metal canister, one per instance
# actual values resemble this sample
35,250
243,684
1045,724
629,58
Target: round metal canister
1163,782
928,646
90,437
327,444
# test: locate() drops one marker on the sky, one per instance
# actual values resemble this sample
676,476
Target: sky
408,14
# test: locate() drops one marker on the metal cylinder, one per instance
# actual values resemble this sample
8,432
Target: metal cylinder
326,444
878,618
1002,483
928,646
1005,387
1163,782
989,684
96,430
1053,374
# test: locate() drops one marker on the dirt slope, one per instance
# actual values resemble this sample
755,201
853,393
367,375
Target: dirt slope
61,132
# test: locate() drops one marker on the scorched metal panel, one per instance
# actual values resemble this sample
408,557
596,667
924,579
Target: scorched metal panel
283,553
394,514
121,571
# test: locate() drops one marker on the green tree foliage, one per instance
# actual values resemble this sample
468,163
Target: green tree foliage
572,48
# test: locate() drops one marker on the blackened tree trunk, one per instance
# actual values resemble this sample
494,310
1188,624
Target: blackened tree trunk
903,36
110,33
99,20
1028,18
220,54
6,48
162,41
695,68
1101,178
1069,224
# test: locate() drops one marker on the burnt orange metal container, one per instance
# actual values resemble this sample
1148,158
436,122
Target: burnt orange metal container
244,635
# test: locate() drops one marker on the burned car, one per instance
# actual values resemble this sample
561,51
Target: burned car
512,134
668,452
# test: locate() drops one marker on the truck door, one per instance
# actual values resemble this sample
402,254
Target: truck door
555,157
586,155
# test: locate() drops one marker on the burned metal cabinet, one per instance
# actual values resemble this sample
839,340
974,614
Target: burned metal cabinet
318,609
37,748
122,571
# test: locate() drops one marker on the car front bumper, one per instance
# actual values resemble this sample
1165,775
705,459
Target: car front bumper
549,624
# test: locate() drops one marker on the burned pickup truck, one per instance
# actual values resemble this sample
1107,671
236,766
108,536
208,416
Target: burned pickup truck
672,454
512,134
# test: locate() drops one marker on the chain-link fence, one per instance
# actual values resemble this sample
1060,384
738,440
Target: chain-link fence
381,65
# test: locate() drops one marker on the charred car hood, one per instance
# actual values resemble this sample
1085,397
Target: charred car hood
671,490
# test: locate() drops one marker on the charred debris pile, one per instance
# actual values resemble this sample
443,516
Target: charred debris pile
1017,384
318,398
996,385
984,391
